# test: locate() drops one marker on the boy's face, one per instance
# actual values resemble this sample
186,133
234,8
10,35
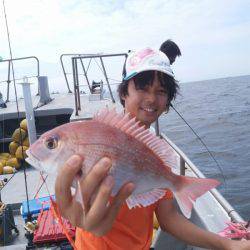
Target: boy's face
146,104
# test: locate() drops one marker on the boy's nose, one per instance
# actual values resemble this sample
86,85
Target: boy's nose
151,97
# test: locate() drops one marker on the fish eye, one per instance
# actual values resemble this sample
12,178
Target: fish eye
51,143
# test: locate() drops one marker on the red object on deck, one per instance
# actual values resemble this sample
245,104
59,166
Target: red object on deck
50,230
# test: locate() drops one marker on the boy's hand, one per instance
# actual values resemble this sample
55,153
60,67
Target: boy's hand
238,245
98,215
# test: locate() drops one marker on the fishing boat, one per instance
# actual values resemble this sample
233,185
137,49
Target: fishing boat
84,97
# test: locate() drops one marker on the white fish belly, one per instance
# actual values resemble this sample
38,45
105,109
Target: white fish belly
143,180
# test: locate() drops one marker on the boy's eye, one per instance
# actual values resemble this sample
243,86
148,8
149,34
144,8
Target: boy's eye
162,91
141,89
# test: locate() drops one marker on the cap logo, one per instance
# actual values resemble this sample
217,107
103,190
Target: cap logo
137,58
159,63
145,60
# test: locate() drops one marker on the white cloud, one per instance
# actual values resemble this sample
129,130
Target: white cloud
213,35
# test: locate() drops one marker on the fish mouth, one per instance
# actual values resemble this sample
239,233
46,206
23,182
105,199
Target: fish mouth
38,164
32,160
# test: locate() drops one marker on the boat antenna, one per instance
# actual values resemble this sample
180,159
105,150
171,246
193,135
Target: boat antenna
17,106
203,143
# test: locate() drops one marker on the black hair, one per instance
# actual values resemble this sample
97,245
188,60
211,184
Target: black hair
170,49
146,78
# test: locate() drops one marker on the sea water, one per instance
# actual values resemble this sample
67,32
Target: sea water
219,111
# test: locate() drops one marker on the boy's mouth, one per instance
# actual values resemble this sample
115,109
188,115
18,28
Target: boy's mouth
150,110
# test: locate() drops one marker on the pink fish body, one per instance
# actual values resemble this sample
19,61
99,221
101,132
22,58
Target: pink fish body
137,156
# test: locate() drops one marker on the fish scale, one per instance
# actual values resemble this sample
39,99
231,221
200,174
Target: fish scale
137,155
126,152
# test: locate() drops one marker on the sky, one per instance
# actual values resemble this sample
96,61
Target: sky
214,36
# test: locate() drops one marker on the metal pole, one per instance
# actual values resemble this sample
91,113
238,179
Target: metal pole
85,74
64,72
32,138
74,82
77,85
17,59
106,77
8,83
182,166
29,111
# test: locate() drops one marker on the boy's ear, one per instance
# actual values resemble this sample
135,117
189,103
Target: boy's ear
123,97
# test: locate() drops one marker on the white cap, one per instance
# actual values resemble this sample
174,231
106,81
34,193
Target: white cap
147,59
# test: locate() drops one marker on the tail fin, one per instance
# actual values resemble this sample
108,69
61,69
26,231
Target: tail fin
188,189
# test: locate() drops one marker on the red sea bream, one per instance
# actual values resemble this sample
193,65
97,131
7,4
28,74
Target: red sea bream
137,156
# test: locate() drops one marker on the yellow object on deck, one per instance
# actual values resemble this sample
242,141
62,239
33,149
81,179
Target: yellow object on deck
8,170
23,124
4,155
21,152
13,147
13,162
19,135
26,142
1,167
3,161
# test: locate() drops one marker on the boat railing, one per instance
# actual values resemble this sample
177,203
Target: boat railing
76,60
9,76
184,162
64,58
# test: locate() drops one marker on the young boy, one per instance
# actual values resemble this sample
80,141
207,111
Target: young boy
146,92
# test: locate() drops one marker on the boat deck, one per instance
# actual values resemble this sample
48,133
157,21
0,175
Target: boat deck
60,104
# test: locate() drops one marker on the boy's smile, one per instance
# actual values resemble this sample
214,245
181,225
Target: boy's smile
146,104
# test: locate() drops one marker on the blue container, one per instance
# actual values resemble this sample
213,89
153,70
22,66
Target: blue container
35,206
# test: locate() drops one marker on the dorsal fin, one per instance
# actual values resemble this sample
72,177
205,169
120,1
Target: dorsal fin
132,127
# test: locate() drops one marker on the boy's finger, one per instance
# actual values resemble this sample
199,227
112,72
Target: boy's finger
76,215
99,207
64,180
125,191
93,179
